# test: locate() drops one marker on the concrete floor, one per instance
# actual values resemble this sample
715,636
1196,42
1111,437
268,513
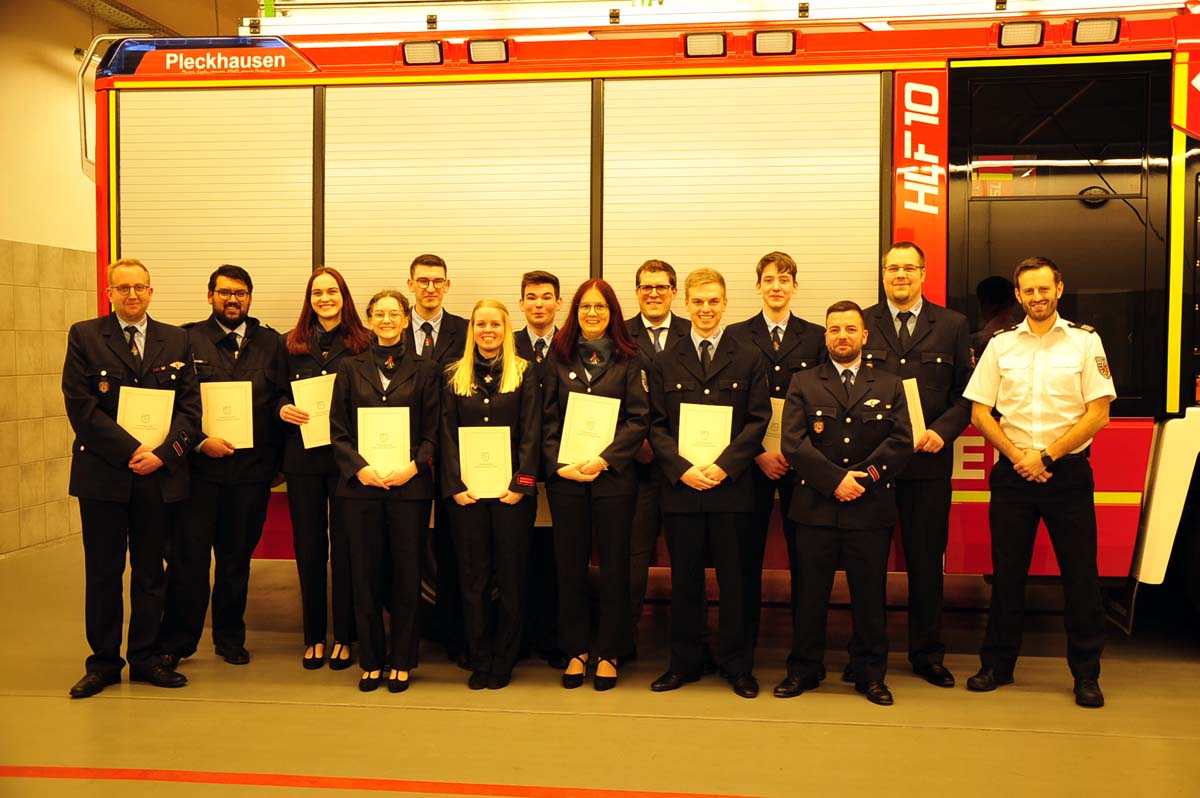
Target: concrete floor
273,729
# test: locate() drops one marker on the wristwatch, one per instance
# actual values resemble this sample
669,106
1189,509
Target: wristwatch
1047,460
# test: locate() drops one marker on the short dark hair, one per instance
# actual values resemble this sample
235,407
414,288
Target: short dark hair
781,260
233,273
538,277
904,245
845,306
1032,264
426,260
654,265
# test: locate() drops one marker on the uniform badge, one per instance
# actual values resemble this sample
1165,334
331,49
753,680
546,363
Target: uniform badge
538,357
871,402
103,386
1102,366
487,378
390,363
775,344
818,426
594,359
645,382
177,365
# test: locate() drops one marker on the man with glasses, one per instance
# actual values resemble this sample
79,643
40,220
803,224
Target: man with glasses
913,338
231,485
438,335
653,329
126,487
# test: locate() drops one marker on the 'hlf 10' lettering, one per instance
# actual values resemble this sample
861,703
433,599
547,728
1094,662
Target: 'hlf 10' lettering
924,178
222,62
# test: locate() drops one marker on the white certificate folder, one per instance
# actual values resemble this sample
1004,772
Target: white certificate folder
915,412
773,439
228,412
485,460
383,437
704,432
588,427
314,396
145,413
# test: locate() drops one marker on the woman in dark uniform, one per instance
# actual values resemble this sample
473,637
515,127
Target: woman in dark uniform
386,506
492,387
594,355
328,330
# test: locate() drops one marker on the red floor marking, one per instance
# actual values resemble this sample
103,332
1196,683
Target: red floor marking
331,783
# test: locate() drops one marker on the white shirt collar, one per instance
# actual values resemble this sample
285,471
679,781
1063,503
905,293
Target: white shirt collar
240,330
666,323
915,309
715,338
771,325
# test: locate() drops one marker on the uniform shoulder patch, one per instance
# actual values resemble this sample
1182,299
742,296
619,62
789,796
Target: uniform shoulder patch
1084,327
1102,367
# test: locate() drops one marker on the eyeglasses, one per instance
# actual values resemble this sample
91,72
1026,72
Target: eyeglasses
380,315
907,271
225,293
123,290
654,289
424,283
587,310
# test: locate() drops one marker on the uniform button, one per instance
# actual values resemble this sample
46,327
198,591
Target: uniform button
383,398
103,372
777,368
847,421
678,386
589,390
803,365
903,361
885,468
485,418
324,372
879,417
487,401
777,387
82,447
707,392
802,482
135,380
870,356
172,376
845,459
845,440
734,386
939,360
819,412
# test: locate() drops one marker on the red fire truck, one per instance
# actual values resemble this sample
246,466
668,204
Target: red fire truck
587,146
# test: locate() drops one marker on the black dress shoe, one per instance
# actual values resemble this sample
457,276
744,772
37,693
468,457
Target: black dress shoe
848,674
92,683
169,661
369,683
498,681
876,692
340,663
935,673
158,675
234,655
396,684
555,659
671,681
986,681
793,686
478,680
1087,693
745,685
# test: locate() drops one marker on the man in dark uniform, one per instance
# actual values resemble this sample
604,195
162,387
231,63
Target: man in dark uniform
1049,380
913,338
438,335
654,329
846,432
540,301
231,486
126,488
790,344
705,505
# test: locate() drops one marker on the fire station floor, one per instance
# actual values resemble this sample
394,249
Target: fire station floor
273,729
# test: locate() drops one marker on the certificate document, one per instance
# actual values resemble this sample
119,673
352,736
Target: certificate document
774,436
383,437
228,412
313,396
916,414
485,457
704,432
145,413
588,426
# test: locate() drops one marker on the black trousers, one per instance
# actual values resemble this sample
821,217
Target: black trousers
541,605
644,529
1066,503
386,539
109,529
446,616
864,552
577,520
690,536
754,544
224,522
319,538
924,507
492,540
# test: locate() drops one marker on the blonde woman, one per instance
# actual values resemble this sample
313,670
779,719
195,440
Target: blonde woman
492,387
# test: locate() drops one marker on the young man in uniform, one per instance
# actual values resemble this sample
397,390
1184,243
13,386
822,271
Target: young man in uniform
540,302
1050,382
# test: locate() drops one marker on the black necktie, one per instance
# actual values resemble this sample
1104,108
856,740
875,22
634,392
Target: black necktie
776,337
904,316
231,343
427,329
705,357
133,347
848,380
657,333
539,349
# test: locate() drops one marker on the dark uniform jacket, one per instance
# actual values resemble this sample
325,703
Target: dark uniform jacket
802,347
519,410
414,385
451,338
97,366
939,356
680,327
736,378
262,361
624,380
826,434
525,348
297,459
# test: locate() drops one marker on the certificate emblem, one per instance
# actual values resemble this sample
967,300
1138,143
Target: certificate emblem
485,456
227,409
818,426
145,418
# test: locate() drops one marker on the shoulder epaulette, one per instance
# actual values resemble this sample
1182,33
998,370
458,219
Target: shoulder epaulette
1084,327
1006,329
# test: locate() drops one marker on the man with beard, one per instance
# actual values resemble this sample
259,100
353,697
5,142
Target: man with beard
846,433
1050,383
230,487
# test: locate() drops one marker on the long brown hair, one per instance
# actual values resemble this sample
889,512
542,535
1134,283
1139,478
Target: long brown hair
566,340
354,334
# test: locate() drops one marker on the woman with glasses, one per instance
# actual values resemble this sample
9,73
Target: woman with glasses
491,389
327,331
593,489
386,464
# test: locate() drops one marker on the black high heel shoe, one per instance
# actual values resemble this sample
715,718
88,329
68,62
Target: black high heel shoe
340,663
602,683
368,682
314,662
396,684
573,680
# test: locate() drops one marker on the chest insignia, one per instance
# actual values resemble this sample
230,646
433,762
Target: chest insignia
594,359
818,426
103,387
871,402
487,378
